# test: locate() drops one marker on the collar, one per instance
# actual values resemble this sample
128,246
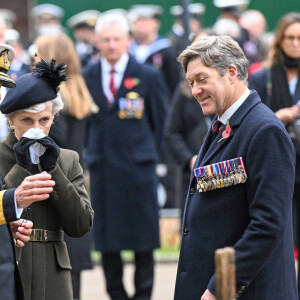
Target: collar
234,107
119,67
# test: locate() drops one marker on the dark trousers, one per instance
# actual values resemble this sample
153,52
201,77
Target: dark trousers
143,278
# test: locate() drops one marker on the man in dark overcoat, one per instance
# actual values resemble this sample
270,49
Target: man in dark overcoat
244,196
122,149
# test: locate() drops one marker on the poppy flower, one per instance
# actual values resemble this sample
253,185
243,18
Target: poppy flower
131,82
226,132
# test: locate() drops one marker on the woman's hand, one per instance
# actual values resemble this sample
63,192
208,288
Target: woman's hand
21,230
49,159
288,114
21,149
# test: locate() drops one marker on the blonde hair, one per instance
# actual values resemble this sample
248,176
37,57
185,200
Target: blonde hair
77,99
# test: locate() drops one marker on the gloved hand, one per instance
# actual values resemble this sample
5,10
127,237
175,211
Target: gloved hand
49,158
21,149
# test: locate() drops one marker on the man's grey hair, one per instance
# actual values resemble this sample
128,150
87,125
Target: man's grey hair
110,19
218,52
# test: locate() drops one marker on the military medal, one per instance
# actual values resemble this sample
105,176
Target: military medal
131,107
220,175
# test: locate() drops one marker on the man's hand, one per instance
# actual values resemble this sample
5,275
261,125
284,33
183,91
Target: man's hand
21,230
208,296
34,188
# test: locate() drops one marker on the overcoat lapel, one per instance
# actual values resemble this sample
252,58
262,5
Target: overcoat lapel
96,84
235,121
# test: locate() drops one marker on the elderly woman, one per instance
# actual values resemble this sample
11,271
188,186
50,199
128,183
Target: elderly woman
30,109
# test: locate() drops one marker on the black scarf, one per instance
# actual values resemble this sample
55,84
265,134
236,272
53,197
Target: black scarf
280,93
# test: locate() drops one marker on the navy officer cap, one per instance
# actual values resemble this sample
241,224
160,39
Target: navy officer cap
33,88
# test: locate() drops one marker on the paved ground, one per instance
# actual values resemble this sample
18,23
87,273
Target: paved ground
93,285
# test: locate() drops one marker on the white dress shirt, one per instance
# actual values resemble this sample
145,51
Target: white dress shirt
119,68
234,107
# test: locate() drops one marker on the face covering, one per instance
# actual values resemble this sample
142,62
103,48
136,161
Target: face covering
36,150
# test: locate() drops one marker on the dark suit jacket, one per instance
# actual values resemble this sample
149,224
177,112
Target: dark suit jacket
255,217
10,279
121,155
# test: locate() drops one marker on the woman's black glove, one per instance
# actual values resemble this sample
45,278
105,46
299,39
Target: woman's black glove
21,149
49,158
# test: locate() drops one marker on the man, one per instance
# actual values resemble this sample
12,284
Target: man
149,47
12,201
123,144
47,19
83,28
196,11
231,10
245,173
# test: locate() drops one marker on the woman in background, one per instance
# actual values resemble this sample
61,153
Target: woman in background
69,130
278,85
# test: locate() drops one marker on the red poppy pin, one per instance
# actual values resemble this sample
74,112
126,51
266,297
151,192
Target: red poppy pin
226,132
131,82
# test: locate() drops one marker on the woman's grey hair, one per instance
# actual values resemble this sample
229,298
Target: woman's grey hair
218,52
57,105
110,19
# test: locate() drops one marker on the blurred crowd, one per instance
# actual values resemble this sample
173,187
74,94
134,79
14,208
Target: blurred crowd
138,121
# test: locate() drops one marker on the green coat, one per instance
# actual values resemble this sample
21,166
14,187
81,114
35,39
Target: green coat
45,266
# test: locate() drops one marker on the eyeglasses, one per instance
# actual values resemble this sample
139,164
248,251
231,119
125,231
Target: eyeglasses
291,38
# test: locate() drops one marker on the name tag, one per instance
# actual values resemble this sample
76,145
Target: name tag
220,175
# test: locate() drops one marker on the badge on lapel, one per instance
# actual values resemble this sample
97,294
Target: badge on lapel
131,107
220,175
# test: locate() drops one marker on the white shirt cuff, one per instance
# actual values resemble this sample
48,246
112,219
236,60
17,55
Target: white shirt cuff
18,210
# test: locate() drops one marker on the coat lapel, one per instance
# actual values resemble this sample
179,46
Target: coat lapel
96,84
235,121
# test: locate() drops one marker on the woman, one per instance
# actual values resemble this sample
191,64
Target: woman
278,85
30,109
69,130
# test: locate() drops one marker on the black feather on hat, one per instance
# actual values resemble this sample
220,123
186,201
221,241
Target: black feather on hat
37,87
54,73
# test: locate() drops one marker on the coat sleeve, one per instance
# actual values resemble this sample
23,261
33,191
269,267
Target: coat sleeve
157,105
258,82
70,199
7,206
270,166
174,132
